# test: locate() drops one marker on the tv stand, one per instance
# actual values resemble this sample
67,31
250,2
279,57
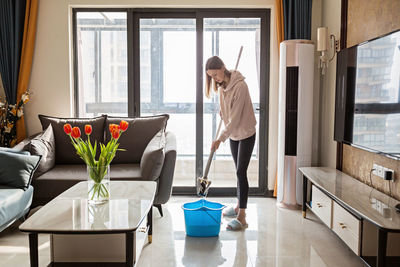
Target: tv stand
352,210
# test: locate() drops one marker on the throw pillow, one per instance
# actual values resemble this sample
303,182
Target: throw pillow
44,145
153,156
65,152
13,150
140,131
26,143
16,170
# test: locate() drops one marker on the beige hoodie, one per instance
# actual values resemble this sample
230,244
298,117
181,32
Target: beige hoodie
236,109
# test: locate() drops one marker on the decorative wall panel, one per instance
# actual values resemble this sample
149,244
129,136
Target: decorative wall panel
367,20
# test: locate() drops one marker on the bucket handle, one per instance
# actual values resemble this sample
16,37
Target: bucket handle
223,207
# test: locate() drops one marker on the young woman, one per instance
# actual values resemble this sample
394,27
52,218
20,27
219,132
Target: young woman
236,111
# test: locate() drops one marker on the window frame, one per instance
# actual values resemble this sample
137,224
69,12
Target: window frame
133,69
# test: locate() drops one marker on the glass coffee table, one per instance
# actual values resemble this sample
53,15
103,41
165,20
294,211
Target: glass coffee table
110,234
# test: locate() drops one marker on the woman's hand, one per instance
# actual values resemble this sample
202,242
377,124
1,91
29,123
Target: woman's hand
215,145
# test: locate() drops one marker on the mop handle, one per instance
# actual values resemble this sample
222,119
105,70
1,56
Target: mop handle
211,154
219,126
238,59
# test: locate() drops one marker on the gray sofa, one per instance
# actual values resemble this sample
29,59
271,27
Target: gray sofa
16,172
69,169
14,204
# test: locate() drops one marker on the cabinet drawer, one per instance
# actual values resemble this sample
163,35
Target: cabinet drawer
347,227
321,206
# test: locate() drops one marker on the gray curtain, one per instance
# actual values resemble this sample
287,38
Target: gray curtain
297,19
12,17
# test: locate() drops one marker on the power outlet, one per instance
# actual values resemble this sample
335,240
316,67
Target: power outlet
380,171
388,170
375,169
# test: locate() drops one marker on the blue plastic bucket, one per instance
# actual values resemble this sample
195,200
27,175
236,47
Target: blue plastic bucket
202,218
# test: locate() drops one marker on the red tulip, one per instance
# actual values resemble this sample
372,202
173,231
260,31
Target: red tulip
76,132
113,127
88,129
123,125
67,128
115,133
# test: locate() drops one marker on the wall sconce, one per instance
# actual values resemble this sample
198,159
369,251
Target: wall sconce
324,45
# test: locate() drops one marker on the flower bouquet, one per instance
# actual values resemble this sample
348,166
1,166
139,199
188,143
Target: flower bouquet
98,170
9,115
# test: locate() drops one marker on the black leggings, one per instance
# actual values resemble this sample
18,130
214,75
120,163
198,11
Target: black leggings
241,153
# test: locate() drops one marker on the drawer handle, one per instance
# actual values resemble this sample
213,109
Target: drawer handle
342,225
142,229
319,205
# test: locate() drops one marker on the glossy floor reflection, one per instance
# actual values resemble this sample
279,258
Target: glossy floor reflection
275,237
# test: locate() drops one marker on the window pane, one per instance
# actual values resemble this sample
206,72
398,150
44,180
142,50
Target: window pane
102,63
180,72
145,66
223,37
168,84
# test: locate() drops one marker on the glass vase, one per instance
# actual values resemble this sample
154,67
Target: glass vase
98,184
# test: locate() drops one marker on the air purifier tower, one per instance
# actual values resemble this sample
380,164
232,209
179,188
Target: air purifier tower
296,75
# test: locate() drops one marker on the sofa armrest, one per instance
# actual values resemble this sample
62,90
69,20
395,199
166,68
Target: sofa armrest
167,171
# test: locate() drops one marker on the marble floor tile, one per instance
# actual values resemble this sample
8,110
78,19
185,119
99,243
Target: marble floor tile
275,237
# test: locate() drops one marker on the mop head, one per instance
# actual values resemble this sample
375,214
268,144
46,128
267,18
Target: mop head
202,187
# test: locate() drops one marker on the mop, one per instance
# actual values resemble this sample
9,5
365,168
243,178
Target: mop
203,183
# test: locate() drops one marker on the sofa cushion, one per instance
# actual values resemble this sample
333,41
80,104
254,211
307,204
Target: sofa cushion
58,179
139,133
153,157
125,172
62,177
65,152
16,170
14,203
44,145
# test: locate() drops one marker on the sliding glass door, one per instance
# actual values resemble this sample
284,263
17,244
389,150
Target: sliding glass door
141,62
173,50
223,37
168,84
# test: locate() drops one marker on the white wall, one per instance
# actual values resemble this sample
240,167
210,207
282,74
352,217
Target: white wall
331,11
51,79
315,23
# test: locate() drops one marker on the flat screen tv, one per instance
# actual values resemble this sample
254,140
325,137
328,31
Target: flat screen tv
367,104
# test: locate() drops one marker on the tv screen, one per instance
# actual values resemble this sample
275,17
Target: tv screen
367,107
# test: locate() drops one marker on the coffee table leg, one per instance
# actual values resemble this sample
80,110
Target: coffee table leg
150,224
33,249
129,249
